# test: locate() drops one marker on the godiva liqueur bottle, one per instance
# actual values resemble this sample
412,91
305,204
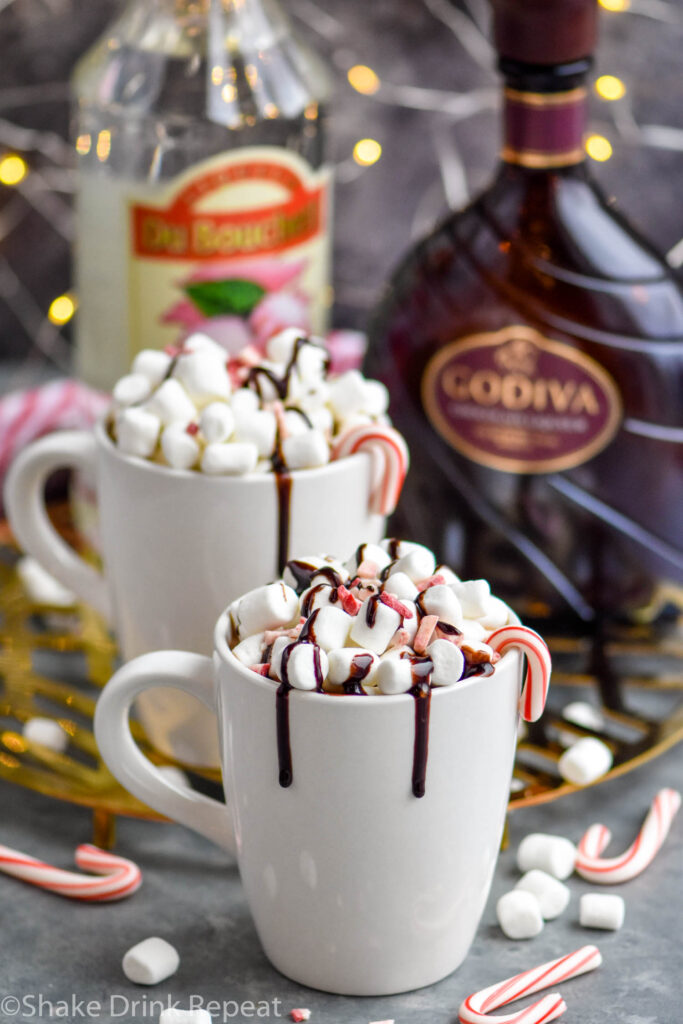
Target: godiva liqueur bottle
533,348
203,197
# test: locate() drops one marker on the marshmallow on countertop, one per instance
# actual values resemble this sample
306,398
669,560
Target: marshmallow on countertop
172,1015
217,422
268,607
204,376
137,432
519,915
153,364
601,910
552,895
229,459
585,761
448,661
341,665
375,637
150,961
131,389
47,733
180,449
307,450
552,854
581,713
41,587
171,403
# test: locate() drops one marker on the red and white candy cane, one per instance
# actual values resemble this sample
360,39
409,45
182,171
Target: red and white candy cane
121,877
612,870
390,461
535,689
476,1008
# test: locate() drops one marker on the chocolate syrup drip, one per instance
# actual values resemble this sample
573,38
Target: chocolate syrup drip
306,604
283,482
371,609
386,572
302,572
446,627
484,668
281,384
284,748
394,547
421,692
301,412
360,667
308,631
331,574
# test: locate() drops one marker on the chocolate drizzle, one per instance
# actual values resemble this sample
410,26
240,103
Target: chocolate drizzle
360,668
421,692
283,483
284,747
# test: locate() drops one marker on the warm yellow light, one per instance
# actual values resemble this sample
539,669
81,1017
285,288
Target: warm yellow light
13,169
61,309
270,110
363,79
217,74
367,152
609,87
229,93
84,144
103,147
615,5
598,148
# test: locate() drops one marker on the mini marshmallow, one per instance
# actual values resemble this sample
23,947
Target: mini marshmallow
321,420
230,459
586,715
200,342
264,385
395,675
153,364
441,601
519,915
313,396
320,598
341,662
371,553
473,596
172,1015
401,586
267,607
473,633
280,347
47,733
376,398
418,564
310,363
294,423
301,664
131,389
348,394
248,651
447,573
448,661
552,854
243,402
204,376
410,625
217,422
330,628
171,403
496,614
151,961
257,428
601,910
306,451
375,637
552,895
41,587
181,451
585,761
137,432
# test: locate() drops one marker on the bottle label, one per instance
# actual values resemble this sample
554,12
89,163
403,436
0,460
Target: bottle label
237,247
544,130
515,400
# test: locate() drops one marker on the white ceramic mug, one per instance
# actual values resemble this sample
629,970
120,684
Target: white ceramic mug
178,546
355,885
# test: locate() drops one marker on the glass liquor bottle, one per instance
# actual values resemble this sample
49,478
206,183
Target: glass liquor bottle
533,348
203,197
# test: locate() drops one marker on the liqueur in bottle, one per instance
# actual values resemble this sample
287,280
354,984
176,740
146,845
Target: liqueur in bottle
533,345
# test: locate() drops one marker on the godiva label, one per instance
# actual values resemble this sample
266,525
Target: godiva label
235,245
517,401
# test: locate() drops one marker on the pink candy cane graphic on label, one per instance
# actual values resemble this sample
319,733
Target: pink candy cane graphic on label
535,689
390,461
639,855
476,1008
122,879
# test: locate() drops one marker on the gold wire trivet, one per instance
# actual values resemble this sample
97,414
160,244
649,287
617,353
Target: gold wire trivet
53,662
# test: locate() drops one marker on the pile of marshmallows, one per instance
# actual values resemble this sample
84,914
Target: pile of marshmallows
319,609
195,408
540,895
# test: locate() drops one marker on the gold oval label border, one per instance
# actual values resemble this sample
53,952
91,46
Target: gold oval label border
558,348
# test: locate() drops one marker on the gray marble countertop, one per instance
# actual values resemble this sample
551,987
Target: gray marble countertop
192,897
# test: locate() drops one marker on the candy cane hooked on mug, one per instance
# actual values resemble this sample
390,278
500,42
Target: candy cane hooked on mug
476,1008
390,461
641,853
535,689
121,876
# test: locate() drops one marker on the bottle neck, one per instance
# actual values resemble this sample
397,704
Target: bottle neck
544,115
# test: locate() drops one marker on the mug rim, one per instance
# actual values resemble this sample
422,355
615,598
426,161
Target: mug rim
222,649
246,479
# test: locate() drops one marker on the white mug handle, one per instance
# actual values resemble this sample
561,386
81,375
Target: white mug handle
192,673
25,503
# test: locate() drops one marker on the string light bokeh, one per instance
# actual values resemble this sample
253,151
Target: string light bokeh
414,131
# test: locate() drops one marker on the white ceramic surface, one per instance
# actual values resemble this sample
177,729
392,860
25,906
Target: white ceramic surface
177,547
355,886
